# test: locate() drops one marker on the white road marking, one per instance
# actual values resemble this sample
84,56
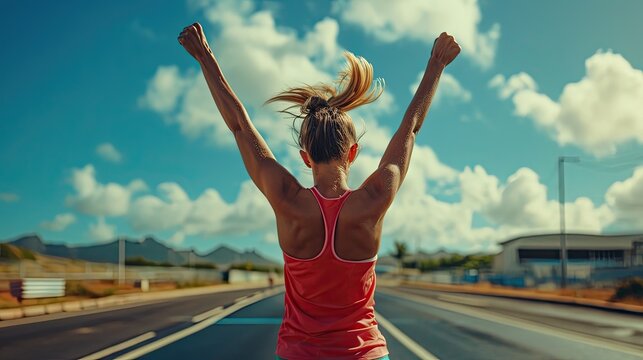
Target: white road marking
118,347
240,298
414,347
521,323
120,306
207,314
146,349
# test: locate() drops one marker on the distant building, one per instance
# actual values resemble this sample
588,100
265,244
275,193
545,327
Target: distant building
539,255
386,264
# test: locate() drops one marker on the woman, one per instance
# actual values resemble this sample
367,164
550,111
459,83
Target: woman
329,255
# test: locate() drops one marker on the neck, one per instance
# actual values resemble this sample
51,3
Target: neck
331,178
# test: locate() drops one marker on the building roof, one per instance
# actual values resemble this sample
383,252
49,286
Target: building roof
568,234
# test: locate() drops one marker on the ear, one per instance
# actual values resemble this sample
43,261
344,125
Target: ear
352,153
304,156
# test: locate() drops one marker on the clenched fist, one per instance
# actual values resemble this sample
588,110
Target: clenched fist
445,49
193,40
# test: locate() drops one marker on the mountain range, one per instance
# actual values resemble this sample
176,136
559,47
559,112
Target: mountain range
148,248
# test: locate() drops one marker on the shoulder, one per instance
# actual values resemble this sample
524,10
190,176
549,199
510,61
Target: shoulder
295,201
364,206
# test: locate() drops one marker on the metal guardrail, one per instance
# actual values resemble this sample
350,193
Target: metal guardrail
36,288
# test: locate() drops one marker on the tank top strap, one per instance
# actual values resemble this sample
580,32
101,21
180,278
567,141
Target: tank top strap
319,196
330,208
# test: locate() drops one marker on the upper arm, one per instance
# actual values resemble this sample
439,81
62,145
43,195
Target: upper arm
386,180
272,179
384,183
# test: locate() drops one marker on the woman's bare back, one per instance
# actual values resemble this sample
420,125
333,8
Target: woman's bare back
300,226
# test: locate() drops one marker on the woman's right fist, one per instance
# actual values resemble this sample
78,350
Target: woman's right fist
193,40
445,49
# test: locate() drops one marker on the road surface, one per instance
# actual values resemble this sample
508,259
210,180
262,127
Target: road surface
418,324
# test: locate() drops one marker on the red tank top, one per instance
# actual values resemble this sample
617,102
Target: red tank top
329,303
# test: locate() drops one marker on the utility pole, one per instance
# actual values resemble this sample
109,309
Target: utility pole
561,201
121,261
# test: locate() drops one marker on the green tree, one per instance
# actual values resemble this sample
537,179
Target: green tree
400,251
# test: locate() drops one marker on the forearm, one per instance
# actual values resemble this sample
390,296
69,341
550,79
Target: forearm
230,107
419,106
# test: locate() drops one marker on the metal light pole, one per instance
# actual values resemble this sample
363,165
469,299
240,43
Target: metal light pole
121,261
561,201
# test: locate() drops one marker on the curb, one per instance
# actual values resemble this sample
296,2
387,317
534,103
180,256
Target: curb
78,305
552,299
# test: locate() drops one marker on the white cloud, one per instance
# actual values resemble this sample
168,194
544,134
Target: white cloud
151,213
518,82
416,213
258,58
271,238
516,206
59,223
422,20
101,231
177,238
164,89
9,197
478,188
94,198
521,203
625,198
207,215
108,152
184,99
597,113
449,87
425,167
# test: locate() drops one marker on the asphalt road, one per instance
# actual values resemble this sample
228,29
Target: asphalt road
416,324
453,326
607,325
76,336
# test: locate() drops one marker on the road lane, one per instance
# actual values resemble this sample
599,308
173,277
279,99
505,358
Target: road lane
451,331
447,325
250,333
610,325
76,336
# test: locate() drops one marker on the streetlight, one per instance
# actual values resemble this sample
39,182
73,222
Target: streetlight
561,201
121,260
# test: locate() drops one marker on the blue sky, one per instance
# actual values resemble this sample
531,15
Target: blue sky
100,105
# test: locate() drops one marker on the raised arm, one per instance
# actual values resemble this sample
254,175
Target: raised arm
274,181
387,179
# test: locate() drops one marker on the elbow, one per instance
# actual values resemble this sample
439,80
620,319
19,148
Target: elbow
234,123
414,126
415,131
417,124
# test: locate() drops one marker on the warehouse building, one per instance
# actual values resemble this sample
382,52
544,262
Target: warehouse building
539,255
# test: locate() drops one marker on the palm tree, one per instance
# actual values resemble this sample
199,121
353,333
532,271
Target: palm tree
400,251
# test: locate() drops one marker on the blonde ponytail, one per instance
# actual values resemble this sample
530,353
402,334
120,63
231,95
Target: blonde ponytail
327,130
